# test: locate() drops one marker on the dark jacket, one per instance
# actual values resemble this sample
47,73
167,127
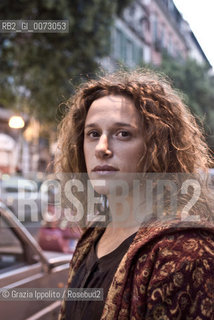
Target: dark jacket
166,274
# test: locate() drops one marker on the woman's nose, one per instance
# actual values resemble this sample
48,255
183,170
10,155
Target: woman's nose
102,148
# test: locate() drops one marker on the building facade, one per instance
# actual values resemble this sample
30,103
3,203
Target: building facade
166,32
130,37
148,28
194,49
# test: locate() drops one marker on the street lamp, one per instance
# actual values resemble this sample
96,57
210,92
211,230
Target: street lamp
16,122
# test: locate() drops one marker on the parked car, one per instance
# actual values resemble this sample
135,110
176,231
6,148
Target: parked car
23,197
23,264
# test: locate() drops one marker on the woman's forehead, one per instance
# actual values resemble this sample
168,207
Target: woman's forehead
117,108
113,99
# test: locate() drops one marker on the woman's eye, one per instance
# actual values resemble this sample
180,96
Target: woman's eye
93,134
124,134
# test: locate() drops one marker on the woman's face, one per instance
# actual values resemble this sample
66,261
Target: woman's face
113,138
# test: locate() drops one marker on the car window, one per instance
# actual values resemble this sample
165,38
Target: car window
11,249
11,189
19,185
16,190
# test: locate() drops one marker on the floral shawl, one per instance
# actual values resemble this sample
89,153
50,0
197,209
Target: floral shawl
166,274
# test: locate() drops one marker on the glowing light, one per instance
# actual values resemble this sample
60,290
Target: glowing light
16,122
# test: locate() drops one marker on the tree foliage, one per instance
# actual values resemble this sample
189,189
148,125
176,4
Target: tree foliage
196,83
38,70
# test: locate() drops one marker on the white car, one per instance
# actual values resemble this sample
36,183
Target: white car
23,264
23,197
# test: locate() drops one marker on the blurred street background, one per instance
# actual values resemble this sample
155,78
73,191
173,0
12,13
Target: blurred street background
39,71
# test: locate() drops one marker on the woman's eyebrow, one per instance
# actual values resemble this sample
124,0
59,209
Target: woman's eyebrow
119,124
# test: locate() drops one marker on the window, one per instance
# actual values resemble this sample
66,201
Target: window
126,50
137,55
171,6
132,10
154,28
117,42
162,36
168,43
129,52
120,44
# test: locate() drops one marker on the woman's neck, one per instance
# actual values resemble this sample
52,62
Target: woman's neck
127,213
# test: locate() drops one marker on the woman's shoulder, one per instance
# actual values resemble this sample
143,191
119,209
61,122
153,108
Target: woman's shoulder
182,241
176,275
186,240
178,250
185,245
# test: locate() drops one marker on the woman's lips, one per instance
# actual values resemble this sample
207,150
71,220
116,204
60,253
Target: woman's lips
105,170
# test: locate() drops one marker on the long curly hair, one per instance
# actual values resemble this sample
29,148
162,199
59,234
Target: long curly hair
173,140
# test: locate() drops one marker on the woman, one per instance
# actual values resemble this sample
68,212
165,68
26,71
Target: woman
118,129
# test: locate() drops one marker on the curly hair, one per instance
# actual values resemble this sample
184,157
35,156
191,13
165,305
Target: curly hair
173,141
